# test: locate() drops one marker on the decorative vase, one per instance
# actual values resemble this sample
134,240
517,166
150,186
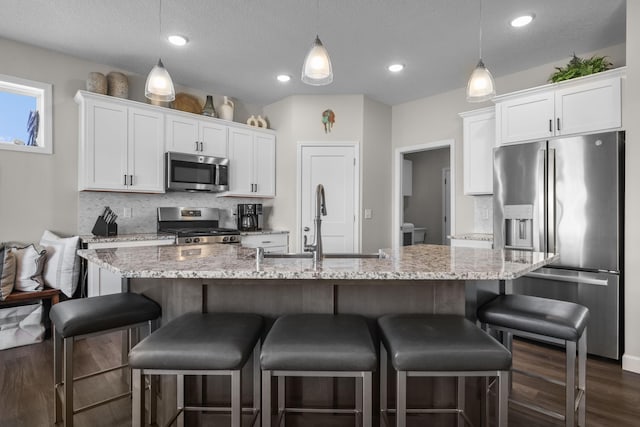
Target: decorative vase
208,109
252,121
225,111
97,83
261,122
118,85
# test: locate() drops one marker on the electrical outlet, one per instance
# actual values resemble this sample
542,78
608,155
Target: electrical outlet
368,214
127,212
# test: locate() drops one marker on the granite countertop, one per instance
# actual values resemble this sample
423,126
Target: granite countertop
136,237
419,262
487,237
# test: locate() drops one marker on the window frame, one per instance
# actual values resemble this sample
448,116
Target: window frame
43,94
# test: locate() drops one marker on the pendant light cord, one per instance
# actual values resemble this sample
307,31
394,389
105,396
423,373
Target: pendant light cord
480,35
317,17
160,17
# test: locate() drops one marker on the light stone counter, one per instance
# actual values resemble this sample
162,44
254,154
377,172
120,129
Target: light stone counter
485,237
133,237
419,262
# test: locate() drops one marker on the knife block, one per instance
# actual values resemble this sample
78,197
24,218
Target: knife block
102,228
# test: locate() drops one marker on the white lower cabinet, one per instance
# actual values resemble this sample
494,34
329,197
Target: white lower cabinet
271,242
104,282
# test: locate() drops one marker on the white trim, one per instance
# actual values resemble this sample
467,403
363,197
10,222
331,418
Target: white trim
396,190
357,196
444,200
631,363
43,94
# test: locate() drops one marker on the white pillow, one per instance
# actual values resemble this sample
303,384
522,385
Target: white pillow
63,265
30,262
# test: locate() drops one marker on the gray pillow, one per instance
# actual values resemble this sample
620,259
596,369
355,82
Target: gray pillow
7,272
30,262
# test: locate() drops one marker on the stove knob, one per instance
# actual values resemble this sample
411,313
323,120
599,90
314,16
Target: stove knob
225,239
233,239
196,239
187,240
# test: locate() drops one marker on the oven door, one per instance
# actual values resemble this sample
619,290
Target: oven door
189,172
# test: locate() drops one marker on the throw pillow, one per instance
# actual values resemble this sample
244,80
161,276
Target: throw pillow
63,265
30,262
7,272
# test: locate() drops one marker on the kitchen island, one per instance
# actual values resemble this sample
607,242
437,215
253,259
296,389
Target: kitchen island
217,278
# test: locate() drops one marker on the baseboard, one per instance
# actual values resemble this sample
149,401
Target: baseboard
631,363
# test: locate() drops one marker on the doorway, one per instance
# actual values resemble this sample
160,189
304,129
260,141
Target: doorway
335,166
431,205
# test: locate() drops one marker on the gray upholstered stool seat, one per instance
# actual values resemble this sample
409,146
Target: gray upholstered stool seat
87,316
200,344
548,320
439,345
543,316
318,345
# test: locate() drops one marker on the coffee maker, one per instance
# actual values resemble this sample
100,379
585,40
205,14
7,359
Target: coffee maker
249,217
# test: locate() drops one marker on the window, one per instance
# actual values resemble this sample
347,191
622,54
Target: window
25,115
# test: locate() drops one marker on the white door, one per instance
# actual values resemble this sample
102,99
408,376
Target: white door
335,167
446,205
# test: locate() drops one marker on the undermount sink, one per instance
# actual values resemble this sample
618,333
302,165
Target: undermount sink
304,255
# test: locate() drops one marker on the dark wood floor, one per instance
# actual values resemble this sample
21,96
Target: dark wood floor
26,396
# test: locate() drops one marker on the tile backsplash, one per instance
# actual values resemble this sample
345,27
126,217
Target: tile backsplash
143,208
483,214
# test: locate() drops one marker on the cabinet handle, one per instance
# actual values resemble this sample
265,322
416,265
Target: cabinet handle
125,179
558,122
196,145
201,146
550,125
130,179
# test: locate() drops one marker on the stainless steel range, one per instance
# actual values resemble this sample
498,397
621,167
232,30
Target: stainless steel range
195,226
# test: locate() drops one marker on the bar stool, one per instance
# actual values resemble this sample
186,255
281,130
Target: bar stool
199,344
318,345
423,345
79,318
548,320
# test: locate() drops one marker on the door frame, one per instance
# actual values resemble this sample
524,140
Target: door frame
398,206
357,244
445,171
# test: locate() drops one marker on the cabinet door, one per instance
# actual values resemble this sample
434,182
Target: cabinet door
478,142
526,118
146,147
241,162
589,107
265,164
182,134
214,139
105,139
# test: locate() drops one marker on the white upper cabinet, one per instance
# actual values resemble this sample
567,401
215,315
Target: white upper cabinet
478,128
120,146
196,135
583,105
252,163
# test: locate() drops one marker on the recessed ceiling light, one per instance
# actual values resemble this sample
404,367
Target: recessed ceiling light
283,78
523,20
395,68
178,40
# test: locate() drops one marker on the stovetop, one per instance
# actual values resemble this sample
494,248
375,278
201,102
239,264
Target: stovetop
195,231
195,226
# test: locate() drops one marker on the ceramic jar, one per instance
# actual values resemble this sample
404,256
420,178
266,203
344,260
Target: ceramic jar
97,83
118,85
225,111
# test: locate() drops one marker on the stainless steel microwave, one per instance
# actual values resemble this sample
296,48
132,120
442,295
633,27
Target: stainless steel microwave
194,172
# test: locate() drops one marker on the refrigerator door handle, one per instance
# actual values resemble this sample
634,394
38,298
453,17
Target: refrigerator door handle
542,204
570,279
551,201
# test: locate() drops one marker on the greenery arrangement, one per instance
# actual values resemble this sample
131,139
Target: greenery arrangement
578,67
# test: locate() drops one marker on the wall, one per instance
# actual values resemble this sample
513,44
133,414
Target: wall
424,207
298,119
39,191
631,112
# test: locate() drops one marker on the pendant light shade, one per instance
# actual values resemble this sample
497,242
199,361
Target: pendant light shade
481,86
159,86
317,70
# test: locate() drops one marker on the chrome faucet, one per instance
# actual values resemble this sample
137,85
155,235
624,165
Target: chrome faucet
321,209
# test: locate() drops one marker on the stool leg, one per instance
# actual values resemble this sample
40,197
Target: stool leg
137,398
256,382
180,399
460,393
57,374
236,398
484,407
282,404
367,399
582,378
124,355
383,385
358,398
68,382
570,380
266,398
507,341
401,399
153,398
503,398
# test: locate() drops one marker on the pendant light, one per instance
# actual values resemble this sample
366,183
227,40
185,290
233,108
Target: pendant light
481,86
317,70
159,86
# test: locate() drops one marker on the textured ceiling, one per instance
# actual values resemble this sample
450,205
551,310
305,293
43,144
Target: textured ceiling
238,46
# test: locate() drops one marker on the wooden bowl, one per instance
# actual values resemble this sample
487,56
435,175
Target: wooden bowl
187,102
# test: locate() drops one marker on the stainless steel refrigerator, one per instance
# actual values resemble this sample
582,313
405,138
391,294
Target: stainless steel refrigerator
566,196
